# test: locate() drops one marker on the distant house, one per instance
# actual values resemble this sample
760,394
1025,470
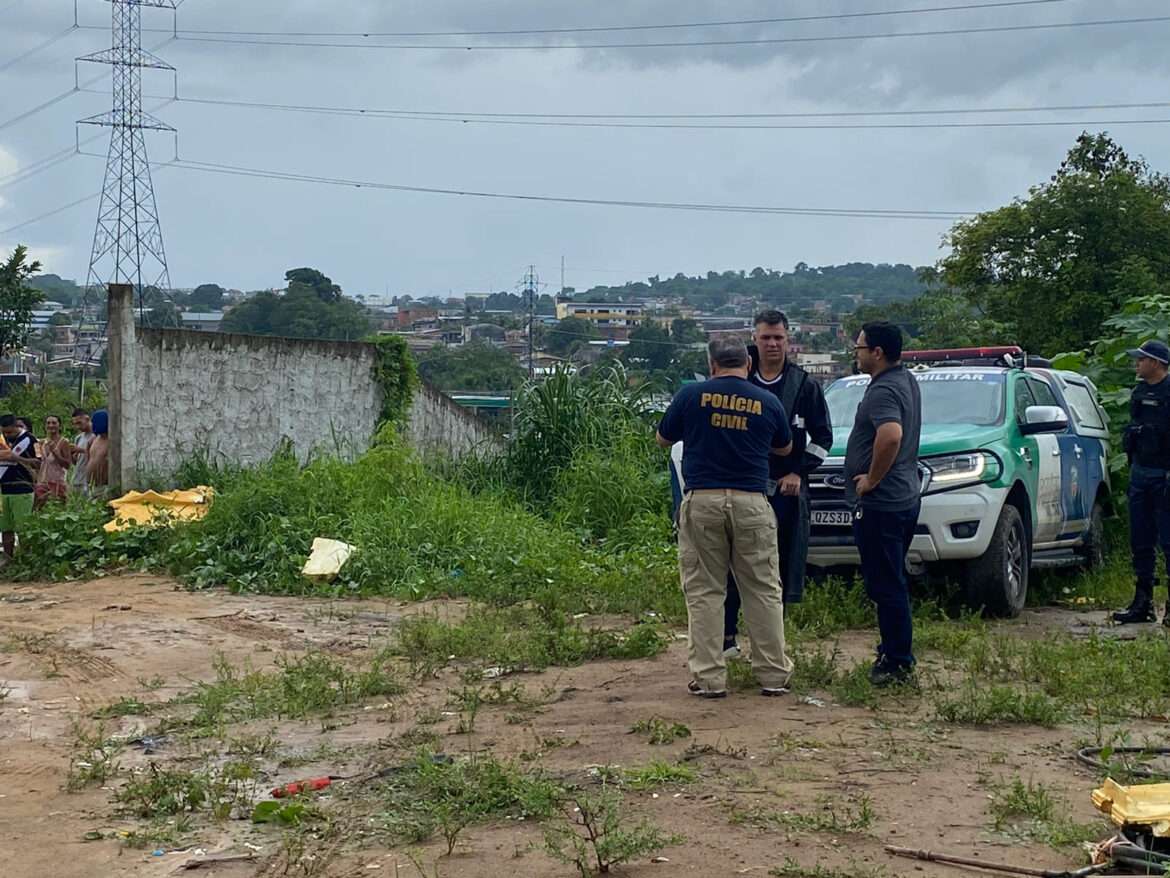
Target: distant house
484,332
202,321
413,315
603,315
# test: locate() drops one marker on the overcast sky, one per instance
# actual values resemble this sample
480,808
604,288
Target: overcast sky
245,232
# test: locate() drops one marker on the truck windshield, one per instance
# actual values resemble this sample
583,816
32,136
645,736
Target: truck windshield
949,396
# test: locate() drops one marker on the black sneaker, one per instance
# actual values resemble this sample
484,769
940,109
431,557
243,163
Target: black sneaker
884,674
695,689
1166,616
1137,613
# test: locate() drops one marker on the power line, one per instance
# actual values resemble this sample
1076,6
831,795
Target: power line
51,213
759,41
461,114
597,122
790,19
865,213
35,168
10,62
78,87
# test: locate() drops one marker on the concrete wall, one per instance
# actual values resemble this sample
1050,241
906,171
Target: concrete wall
238,397
440,425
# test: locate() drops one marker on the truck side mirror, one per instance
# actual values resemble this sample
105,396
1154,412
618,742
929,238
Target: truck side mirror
1044,419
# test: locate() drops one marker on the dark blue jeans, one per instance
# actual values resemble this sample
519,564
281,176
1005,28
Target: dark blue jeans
1149,523
792,532
883,539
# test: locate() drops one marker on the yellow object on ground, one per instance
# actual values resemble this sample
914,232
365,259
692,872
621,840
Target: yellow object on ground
326,559
144,507
1144,805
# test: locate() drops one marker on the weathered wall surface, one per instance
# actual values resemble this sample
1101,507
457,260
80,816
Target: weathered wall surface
239,397
440,425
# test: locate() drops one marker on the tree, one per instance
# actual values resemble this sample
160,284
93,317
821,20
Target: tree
209,297
309,278
683,330
651,346
475,366
18,299
569,334
159,311
1050,267
299,313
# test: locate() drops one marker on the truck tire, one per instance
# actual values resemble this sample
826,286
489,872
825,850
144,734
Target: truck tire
1092,551
997,583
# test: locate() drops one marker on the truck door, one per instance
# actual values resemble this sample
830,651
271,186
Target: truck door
1041,454
1072,462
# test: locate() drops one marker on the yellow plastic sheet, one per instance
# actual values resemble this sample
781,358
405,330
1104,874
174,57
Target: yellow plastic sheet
326,559
144,507
1143,805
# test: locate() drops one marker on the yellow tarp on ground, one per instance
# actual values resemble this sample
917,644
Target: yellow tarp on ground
1144,805
142,507
326,559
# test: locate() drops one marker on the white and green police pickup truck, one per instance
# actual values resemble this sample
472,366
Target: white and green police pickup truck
1014,466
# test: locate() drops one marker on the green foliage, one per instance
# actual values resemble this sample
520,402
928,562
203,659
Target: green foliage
301,686
478,365
301,279
94,757
651,348
299,313
1049,266
1142,317
397,376
983,705
596,834
569,334
518,638
156,792
657,774
660,731
1030,810
854,815
207,297
433,793
835,285
18,299
37,401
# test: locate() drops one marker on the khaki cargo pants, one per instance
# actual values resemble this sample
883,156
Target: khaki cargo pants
720,530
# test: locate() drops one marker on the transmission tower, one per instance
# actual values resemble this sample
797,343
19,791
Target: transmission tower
128,241
531,284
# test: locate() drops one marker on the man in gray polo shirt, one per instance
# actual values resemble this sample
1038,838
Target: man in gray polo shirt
883,487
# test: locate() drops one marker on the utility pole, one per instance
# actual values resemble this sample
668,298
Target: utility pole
530,284
128,241
562,275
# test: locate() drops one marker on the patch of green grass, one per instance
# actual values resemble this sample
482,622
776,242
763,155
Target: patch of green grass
980,705
816,669
658,774
660,731
740,676
125,706
854,815
1031,810
434,794
156,792
162,833
314,683
853,689
94,757
793,869
520,638
830,607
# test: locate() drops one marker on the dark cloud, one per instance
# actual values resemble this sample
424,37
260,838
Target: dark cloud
245,232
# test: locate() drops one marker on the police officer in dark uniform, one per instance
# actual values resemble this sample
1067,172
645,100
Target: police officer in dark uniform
1147,443
812,431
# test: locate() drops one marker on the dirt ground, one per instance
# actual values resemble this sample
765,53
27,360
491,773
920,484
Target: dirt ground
67,650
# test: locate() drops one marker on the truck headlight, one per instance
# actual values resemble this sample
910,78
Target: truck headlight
950,471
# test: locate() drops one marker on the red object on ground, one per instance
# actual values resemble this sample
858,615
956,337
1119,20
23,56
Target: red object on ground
301,786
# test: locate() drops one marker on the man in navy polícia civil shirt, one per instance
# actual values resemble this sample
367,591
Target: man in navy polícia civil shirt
729,428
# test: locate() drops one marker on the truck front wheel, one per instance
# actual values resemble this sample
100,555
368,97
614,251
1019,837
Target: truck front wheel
997,582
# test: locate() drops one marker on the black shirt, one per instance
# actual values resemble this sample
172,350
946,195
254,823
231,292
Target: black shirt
14,477
804,401
1149,413
728,428
891,398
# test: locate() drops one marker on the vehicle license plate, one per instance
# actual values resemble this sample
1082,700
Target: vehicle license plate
833,519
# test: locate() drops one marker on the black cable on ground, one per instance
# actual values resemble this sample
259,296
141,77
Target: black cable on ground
1089,756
